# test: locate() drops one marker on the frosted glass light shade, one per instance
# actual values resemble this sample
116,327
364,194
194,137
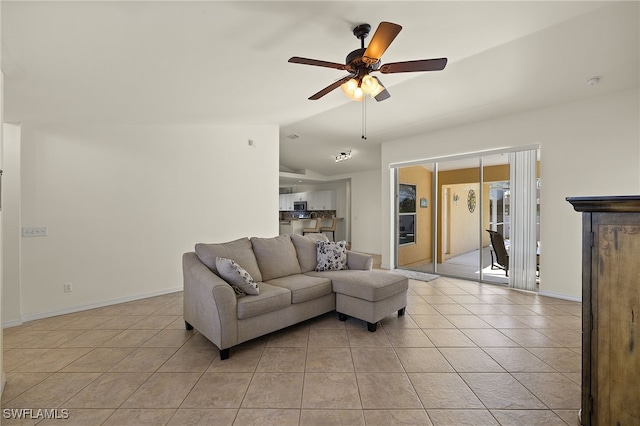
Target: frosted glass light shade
369,84
352,90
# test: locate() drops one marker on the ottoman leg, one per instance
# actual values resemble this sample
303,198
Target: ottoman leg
342,317
188,326
224,354
401,311
372,326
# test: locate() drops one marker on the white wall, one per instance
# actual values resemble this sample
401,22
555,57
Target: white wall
11,224
366,212
122,204
2,375
590,147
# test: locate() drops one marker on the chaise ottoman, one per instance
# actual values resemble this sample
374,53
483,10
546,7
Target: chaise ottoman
368,295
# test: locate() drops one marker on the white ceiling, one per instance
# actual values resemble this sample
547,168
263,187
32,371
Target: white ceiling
226,63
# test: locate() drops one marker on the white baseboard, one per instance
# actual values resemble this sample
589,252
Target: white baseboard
12,323
48,314
560,296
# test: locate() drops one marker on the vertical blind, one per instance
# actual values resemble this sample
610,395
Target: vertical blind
523,244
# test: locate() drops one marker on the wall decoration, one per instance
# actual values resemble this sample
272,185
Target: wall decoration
471,200
424,203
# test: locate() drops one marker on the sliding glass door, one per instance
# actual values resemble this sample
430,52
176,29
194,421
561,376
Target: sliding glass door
453,217
414,213
458,220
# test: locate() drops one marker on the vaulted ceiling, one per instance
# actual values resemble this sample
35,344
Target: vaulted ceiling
226,63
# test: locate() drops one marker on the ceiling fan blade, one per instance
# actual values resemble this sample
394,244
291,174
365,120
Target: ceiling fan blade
412,66
382,38
316,62
382,95
329,88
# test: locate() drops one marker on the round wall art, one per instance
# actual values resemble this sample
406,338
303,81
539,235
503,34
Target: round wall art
471,200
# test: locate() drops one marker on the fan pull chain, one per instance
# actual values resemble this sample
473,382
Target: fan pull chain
364,118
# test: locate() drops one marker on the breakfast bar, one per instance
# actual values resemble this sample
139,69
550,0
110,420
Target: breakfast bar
296,225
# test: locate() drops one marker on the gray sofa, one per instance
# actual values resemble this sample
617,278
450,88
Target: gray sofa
290,289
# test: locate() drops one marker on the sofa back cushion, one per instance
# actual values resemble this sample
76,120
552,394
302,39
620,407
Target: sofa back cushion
239,250
306,250
276,257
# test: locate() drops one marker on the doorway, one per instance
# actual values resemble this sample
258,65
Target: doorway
458,200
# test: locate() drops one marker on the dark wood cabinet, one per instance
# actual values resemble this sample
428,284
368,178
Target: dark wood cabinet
610,309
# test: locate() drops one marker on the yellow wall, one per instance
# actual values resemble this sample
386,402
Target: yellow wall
421,251
463,224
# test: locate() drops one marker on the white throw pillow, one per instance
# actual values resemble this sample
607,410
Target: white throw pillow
331,256
237,277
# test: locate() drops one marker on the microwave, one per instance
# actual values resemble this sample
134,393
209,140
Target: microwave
299,206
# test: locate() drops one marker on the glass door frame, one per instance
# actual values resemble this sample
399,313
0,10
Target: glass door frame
435,203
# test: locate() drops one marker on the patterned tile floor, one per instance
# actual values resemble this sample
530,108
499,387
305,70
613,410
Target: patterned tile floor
465,354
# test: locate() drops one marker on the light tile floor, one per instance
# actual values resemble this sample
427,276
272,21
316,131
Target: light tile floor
465,354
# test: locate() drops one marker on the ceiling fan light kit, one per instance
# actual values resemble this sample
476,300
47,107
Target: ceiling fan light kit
367,85
360,63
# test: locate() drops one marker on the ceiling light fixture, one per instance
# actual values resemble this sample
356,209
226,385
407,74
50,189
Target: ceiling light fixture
343,156
357,87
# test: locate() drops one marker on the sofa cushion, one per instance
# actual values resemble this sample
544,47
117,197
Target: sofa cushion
331,256
304,287
271,298
237,277
239,250
276,257
306,250
368,285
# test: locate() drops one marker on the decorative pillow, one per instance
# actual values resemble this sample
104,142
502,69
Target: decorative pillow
237,277
331,256
306,250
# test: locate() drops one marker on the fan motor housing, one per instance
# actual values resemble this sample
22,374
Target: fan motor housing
355,62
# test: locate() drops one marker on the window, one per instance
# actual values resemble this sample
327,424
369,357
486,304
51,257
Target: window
406,214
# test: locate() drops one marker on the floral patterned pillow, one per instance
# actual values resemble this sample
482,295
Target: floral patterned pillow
238,278
331,256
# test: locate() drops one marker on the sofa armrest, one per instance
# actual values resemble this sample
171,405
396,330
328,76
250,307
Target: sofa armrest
359,261
210,304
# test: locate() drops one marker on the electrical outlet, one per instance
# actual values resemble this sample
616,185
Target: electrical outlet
68,287
35,231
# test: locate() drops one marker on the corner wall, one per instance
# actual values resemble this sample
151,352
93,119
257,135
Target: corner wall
366,229
11,240
2,375
123,203
588,147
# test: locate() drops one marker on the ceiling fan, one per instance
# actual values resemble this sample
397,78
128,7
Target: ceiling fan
362,62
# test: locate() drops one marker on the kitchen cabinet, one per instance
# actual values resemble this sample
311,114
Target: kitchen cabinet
286,202
321,200
317,200
610,309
